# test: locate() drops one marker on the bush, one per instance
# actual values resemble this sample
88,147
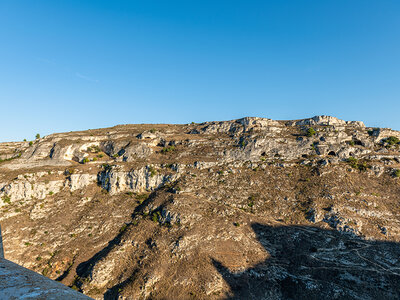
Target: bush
352,160
165,150
69,172
30,143
106,167
141,197
251,201
152,171
37,136
354,163
123,228
85,160
392,140
310,132
396,173
10,158
95,149
6,199
156,216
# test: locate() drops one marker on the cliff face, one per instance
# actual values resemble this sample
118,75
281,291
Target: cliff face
249,208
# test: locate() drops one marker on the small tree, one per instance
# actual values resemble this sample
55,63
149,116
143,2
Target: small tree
311,132
37,136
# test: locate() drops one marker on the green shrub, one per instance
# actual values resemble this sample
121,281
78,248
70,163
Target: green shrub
11,158
165,150
354,163
152,171
69,172
310,132
7,199
396,173
30,143
156,216
94,149
392,140
352,160
251,199
123,228
37,136
106,167
85,160
313,146
141,197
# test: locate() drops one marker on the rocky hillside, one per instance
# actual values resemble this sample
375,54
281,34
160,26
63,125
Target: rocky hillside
250,208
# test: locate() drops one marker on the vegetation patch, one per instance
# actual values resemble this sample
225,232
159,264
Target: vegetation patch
11,158
141,198
168,149
6,199
391,141
152,171
356,164
310,132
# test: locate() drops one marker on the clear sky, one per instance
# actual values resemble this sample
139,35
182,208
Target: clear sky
75,65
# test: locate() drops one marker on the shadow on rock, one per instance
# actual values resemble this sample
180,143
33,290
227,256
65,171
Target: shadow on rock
312,263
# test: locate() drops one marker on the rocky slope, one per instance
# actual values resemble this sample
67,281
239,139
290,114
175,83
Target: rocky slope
250,208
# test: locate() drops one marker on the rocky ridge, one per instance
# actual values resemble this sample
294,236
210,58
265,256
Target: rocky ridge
182,211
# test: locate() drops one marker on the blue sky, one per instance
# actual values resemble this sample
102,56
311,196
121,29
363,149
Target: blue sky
76,65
